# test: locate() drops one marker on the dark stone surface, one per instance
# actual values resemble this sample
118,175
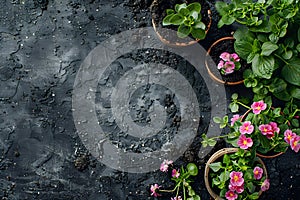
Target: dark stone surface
42,45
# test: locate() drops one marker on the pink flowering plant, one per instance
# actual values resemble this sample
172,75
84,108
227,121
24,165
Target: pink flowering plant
229,63
238,175
263,128
182,178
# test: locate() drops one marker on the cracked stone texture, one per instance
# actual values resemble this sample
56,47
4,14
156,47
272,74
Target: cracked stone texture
42,44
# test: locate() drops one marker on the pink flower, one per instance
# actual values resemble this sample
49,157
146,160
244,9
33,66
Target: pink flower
244,142
230,195
288,135
175,173
229,67
234,119
246,128
258,172
266,130
221,64
258,106
236,178
275,128
153,189
295,143
164,166
265,185
238,189
176,198
235,57
225,56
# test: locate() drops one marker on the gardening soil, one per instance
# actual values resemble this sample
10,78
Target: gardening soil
43,44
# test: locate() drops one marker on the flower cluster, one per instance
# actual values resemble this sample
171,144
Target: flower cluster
181,178
262,128
229,63
292,139
237,177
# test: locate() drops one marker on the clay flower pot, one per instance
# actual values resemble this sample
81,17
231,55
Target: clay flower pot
217,155
225,44
170,38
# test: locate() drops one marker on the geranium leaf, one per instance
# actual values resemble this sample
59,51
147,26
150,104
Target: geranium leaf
183,31
215,166
268,48
263,66
198,33
176,19
194,7
291,71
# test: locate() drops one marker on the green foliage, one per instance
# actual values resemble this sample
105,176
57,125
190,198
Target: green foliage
268,41
188,19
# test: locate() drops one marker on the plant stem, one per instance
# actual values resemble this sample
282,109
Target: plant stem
184,195
243,105
281,58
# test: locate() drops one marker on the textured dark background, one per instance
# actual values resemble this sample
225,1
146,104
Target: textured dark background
42,44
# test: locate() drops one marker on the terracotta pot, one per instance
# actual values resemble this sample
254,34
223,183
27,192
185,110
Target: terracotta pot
186,41
270,155
216,156
212,67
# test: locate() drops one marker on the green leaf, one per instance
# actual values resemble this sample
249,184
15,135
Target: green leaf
295,122
211,142
220,5
291,72
283,95
215,166
268,48
287,54
234,96
254,195
217,120
184,12
176,19
183,31
295,92
226,159
195,15
170,11
243,34
199,25
263,66
277,85
227,19
166,21
194,7
198,33
243,48
224,176
179,6
264,27
234,107
298,47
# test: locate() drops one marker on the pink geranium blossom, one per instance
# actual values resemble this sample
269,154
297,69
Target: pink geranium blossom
258,172
258,107
235,57
295,143
238,189
221,64
153,190
225,56
176,198
267,130
230,195
244,142
246,127
265,185
164,166
175,173
288,135
229,67
236,178
234,119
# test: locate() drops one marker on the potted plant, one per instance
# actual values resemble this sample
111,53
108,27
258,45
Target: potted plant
223,64
182,178
187,19
268,39
263,128
233,173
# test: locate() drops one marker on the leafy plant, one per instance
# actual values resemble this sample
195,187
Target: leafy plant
267,40
182,179
188,19
238,175
262,128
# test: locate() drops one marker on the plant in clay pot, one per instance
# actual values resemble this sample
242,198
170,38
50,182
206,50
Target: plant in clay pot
186,19
233,173
263,128
182,178
223,64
